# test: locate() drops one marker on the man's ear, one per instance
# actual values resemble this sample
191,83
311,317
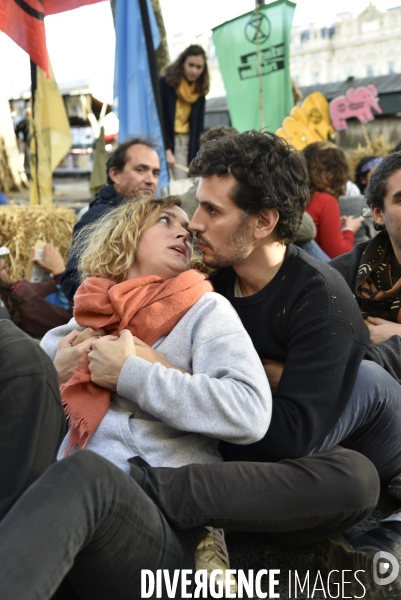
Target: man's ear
377,215
266,223
113,174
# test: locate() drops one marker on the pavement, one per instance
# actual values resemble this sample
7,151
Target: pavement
67,191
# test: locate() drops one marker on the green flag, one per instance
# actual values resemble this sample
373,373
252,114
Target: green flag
254,59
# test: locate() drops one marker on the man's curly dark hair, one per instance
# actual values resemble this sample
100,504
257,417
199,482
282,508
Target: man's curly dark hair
269,174
377,187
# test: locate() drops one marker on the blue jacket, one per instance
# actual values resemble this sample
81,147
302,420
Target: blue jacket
169,99
106,199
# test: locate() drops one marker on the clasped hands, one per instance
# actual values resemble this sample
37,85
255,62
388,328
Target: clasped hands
381,330
107,354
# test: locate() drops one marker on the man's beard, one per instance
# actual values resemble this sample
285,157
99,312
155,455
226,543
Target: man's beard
238,244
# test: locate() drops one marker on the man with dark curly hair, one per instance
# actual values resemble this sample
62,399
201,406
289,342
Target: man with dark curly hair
309,334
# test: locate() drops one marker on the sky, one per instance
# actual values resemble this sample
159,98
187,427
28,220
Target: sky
81,42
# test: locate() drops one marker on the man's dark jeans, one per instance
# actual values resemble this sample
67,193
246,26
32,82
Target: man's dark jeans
85,525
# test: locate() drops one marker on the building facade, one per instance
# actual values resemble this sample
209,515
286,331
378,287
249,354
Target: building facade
353,47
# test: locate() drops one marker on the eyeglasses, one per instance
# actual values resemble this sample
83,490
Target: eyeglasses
5,267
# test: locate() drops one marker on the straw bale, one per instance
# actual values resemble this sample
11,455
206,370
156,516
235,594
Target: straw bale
377,147
22,226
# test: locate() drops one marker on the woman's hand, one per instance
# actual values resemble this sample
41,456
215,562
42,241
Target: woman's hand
71,352
151,355
108,356
52,260
350,222
381,330
87,333
170,158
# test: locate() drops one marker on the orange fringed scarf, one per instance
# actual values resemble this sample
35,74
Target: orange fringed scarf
150,307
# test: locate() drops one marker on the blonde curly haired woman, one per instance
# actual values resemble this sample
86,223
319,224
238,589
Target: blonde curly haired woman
188,375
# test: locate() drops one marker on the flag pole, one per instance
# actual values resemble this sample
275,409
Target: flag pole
33,156
261,99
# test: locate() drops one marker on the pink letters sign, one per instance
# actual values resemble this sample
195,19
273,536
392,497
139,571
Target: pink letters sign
357,102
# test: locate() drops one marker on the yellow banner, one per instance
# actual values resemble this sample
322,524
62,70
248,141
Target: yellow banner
50,136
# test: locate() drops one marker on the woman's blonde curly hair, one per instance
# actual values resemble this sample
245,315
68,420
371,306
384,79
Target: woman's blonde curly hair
107,248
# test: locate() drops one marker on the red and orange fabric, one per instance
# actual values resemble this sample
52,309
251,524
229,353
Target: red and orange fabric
150,307
23,22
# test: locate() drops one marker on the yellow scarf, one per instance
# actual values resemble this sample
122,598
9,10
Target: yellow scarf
186,96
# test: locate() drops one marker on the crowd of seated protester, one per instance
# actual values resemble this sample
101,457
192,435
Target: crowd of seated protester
183,381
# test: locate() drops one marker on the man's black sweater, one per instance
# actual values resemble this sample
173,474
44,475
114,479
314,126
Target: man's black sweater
307,318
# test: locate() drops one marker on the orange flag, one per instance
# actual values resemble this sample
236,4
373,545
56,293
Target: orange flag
23,22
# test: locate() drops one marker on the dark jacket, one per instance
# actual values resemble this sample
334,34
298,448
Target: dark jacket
348,264
40,314
169,99
106,199
386,354
306,318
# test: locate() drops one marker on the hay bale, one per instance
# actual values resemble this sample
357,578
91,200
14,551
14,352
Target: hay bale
21,226
377,147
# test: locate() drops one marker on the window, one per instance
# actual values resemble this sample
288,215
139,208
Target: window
369,71
305,35
368,26
391,66
315,77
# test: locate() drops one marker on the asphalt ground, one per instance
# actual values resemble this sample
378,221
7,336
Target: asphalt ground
67,191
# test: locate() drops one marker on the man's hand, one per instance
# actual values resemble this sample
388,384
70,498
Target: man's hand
381,330
108,356
70,354
52,260
273,370
153,356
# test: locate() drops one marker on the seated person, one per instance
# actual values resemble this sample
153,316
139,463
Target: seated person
138,283
89,536
364,171
133,170
328,173
373,268
146,287
373,272
85,507
35,307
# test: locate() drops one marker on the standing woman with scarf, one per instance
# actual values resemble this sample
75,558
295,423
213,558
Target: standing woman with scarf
183,89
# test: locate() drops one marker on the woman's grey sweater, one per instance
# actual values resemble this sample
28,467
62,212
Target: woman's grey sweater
171,418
